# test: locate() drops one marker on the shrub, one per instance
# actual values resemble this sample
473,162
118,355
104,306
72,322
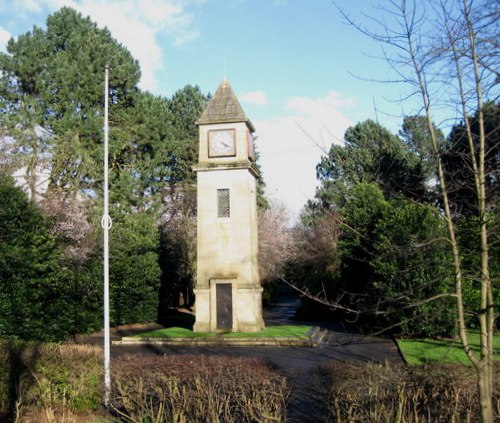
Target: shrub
134,268
56,378
43,296
197,389
380,393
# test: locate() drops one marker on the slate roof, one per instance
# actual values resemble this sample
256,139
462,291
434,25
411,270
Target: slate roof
224,107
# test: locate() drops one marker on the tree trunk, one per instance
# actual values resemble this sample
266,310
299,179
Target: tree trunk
485,387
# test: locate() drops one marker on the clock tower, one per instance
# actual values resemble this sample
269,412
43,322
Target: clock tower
228,291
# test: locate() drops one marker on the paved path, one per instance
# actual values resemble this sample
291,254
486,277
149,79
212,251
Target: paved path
299,364
337,345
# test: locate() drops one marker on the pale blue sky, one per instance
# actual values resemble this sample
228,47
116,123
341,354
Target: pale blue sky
289,62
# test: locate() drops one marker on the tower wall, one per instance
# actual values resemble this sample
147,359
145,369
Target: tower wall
228,291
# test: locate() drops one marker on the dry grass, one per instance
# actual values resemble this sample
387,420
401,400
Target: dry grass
54,382
45,383
198,389
381,393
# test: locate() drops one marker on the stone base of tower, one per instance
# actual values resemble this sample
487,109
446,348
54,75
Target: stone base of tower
249,310
225,307
202,310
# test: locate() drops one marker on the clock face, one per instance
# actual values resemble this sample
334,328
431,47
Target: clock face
221,143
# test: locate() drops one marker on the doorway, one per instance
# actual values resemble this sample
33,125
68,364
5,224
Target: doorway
224,301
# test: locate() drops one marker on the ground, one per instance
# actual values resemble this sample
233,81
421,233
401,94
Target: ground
300,364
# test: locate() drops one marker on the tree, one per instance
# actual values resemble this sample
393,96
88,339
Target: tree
57,76
415,135
145,152
275,242
178,248
52,84
135,279
459,167
452,47
186,106
28,255
178,223
370,153
29,148
70,226
376,261
40,297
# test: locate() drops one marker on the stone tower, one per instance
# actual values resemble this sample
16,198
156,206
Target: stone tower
228,291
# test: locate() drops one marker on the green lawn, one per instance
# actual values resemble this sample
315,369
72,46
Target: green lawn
174,332
272,331
421,351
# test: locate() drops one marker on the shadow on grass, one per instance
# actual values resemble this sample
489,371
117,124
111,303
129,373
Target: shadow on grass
18,358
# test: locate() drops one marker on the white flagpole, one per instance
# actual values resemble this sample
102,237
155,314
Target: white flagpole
106,225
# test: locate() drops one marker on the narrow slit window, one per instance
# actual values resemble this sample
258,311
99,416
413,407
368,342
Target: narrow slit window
223,203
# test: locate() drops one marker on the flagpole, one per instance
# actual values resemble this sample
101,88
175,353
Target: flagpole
106,225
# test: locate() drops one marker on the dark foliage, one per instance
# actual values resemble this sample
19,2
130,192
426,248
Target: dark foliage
40,298
459,168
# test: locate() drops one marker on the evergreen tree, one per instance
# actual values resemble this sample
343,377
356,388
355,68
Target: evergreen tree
370,154
41,297
58,72
386,256
458,165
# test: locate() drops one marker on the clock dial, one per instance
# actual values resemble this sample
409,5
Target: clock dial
221,143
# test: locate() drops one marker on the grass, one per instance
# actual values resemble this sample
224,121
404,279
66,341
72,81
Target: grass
271,332
174,332
421,351
286,331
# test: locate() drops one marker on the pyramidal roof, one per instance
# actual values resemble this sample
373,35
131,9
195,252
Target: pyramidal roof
224,107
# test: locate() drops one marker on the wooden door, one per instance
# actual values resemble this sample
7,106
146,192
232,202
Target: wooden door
224,299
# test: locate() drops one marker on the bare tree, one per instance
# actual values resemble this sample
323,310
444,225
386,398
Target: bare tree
275,241
313,245
448,54
70,226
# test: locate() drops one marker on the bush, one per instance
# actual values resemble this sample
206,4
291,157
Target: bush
43,296
380,393
385,262
134,269
61,380
197,389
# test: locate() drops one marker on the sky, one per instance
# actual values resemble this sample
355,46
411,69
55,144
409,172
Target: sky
302,75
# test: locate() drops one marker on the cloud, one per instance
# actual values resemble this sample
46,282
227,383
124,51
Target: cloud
321,108
291,145
137,24
258,98
32,6
5,36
